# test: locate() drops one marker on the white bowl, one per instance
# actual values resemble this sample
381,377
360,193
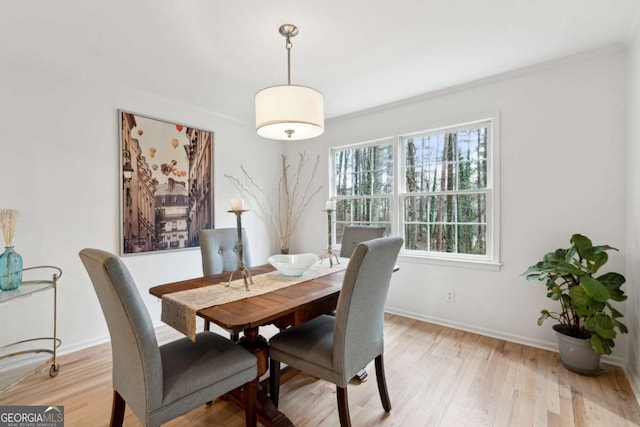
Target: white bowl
294,264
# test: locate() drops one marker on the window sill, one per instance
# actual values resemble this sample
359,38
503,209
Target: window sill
448,262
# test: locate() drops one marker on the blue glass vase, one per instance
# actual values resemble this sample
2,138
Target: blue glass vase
10,269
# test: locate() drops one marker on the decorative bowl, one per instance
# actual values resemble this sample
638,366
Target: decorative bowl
293,264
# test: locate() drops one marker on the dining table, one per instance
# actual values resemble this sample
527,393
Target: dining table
288,306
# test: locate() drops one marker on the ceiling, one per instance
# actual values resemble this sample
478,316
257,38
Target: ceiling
216,54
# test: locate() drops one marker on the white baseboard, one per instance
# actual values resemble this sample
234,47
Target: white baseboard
518,339
81,345
634,380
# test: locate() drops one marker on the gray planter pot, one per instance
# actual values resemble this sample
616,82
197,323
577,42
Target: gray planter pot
577,355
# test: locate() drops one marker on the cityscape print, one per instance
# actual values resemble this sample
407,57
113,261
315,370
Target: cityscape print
167,184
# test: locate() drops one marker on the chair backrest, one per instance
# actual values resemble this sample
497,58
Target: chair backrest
355,234
137,364
218,250
358,335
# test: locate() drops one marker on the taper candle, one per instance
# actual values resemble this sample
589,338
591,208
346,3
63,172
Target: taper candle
237,204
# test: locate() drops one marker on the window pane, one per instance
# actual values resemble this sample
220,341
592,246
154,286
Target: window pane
472,239
441,209
383,157
364,171
423,150
412,179
366,210
472,175
416,237
344,186
380,210
339,232
442,237
383,181
430,177
472,144
423,177
343,210
360,209
471,208
429,208
361,184
347,161
364,158
416,208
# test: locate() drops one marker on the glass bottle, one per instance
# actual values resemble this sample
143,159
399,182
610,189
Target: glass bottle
10,269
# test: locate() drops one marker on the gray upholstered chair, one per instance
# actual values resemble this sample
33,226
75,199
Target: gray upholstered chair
218,249
352,236
335,348
162,382
355,234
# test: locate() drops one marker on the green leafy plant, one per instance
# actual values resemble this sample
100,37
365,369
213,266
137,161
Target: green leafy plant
585,299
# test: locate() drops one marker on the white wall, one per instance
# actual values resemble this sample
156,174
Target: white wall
60,157
563,171
633,211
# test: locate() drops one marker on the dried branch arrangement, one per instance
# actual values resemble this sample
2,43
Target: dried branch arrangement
284,210
8,219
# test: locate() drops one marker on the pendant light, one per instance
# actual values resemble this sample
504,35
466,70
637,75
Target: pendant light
289,112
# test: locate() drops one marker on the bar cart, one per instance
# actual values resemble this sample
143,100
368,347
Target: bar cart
11,354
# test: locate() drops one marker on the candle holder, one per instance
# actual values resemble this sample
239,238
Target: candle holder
330,254
242,269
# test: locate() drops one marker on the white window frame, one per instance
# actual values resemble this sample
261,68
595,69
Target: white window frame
332,182
490,261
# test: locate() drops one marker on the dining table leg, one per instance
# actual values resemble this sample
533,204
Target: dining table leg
258,345
268,414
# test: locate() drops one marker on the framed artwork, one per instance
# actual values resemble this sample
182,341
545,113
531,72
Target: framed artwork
166,182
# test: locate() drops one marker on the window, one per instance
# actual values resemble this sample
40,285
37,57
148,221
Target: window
444,202
363,185
445,190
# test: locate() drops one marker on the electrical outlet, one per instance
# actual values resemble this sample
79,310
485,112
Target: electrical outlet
450,296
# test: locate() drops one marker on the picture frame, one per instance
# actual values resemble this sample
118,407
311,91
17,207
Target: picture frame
166,184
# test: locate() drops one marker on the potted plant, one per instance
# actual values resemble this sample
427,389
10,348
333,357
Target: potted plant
587,321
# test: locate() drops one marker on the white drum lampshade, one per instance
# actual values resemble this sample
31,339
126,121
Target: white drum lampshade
289,112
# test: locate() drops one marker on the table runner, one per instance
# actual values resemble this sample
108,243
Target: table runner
179,308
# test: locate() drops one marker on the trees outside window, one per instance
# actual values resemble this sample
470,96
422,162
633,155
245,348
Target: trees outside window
445,183
363,187
443,205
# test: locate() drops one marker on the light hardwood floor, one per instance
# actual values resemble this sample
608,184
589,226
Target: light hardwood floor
436,377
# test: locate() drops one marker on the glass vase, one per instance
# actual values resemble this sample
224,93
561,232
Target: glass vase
10,269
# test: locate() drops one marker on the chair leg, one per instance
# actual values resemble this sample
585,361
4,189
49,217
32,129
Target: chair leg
343,407
207,325
382,384
250,397
117,410
274,381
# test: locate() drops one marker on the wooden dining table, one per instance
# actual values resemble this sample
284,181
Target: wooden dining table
289,306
